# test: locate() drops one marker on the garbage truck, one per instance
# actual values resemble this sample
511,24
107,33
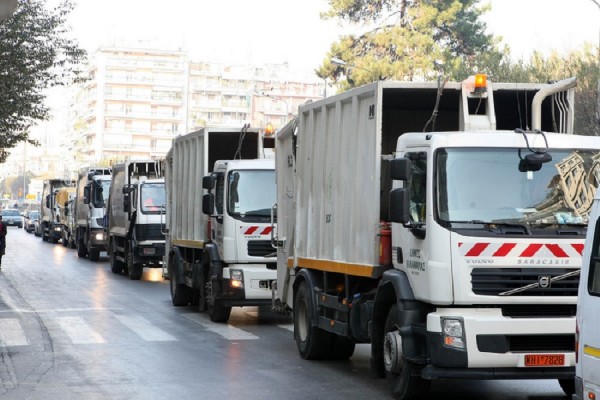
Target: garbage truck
93,187
439,222
135,215
53,206
218,244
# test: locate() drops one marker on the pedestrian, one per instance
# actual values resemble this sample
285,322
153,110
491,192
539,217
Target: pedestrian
2,239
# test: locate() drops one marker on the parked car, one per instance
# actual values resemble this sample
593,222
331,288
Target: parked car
12,217
29,221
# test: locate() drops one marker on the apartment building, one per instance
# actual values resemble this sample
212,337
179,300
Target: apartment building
135,101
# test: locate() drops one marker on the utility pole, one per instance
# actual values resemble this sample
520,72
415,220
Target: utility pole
597,2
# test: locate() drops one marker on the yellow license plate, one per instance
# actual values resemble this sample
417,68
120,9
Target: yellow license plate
541,360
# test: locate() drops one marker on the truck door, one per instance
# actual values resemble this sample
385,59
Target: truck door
588,317
217,221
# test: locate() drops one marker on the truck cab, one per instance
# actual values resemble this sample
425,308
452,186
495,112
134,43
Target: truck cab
239,203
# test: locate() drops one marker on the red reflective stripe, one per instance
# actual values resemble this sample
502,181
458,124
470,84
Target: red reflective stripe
557,250
266,231
504,250
530,250
251,230
477,249
578,247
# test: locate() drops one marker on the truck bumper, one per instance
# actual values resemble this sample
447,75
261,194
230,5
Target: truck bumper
98,239
496,347
254,287
150,254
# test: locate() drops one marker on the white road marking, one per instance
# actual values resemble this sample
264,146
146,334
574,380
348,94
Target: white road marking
11,333
78,331
227,331
145,329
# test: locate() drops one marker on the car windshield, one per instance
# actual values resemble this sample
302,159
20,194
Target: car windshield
10,213
489,186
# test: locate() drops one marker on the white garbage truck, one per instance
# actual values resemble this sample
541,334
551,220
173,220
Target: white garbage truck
93,187
53,206
218,244
136,216
441,223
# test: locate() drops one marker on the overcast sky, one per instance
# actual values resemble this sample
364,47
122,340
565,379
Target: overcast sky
291,30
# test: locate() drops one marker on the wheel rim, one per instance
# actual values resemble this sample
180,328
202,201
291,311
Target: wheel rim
392,352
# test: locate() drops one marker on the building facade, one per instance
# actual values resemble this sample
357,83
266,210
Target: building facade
135,101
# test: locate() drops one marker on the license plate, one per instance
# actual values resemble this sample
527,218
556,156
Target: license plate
540,360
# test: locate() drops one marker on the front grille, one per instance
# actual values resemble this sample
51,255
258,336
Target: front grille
149,232
493,281
260,248
539,310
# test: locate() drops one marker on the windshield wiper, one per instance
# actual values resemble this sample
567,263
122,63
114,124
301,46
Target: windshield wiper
499,226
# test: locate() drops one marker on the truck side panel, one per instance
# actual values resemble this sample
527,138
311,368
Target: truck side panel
338,157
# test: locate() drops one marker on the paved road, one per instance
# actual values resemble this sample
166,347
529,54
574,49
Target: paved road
71,329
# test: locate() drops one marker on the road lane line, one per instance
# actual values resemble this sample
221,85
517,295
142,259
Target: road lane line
78,331
227,331
145,329
11,333
288,327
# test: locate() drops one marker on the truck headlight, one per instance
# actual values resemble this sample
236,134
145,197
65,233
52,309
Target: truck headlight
453,332
99,236
236,278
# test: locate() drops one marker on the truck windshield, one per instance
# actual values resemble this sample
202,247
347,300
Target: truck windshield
100,192
485,186
152,198
252,193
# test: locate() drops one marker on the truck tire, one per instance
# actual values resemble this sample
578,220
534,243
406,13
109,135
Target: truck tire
134,270
94,254
180,293
403,376
215,308
313,343
568,386
116,266
81,249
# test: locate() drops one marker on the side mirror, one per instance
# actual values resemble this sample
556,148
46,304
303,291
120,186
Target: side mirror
400,169
399,206
208,182
208,203
86,195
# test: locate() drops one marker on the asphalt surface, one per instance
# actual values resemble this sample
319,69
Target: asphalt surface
71,329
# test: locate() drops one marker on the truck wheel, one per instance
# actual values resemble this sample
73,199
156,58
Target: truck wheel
116,266
216,310
134,270
313,343
568,386
64,240
402,375
94,254
81,249
180,293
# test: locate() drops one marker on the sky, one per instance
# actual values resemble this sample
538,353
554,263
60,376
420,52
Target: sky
276,31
